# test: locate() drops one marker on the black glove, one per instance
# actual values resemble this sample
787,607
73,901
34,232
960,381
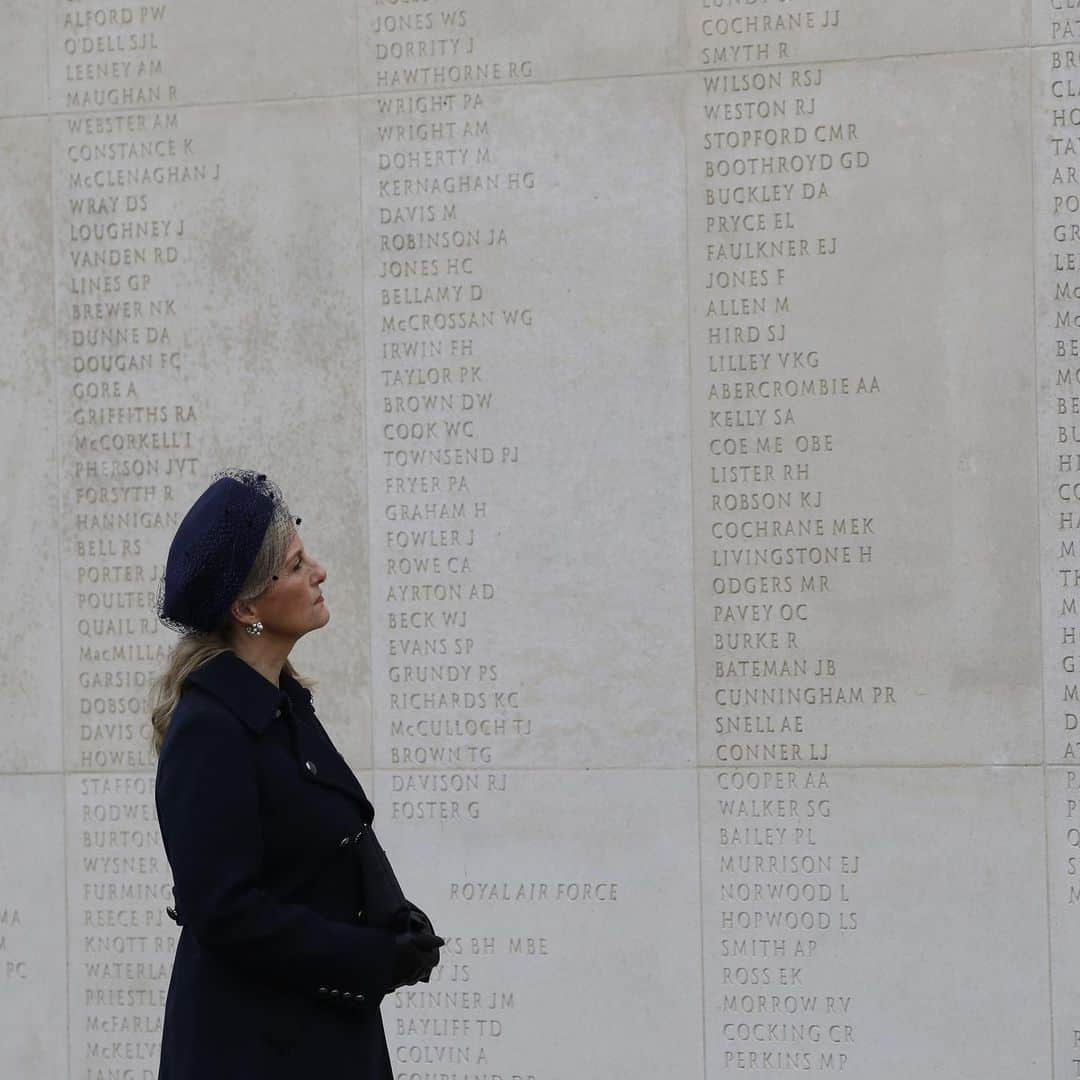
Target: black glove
419,922
416,952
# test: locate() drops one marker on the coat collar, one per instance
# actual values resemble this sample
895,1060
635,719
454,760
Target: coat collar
251,696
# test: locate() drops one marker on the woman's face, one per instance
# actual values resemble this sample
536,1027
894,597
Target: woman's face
293,604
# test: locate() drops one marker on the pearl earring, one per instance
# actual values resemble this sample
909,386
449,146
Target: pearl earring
254,630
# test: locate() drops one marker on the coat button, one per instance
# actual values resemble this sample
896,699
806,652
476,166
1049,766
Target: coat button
323,991
310,766
345,841
347,996
359,999
277,713
356,838
360,913
335,993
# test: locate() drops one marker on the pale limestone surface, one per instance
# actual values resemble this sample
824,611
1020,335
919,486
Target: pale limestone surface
917,901
24,51
534,904
920,304
29,661
1057,213
407,46
1063,850
1055,22
33,950
445,272
728,33
250,307
120,940
182,54
578,391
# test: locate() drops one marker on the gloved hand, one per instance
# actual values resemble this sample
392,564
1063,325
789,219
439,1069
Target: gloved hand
416,952
418,921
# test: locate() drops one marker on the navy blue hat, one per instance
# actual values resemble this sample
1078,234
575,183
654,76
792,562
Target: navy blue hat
215,547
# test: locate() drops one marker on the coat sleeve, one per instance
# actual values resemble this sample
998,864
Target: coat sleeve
422,916
208,810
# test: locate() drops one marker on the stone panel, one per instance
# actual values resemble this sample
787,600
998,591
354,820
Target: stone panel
526,350
1056,150
30,633
884,923
33,964
209,306
567,900
865,491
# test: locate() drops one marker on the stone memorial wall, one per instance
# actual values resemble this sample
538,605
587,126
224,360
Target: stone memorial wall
684,399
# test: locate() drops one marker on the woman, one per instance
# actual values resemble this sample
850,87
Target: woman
293,925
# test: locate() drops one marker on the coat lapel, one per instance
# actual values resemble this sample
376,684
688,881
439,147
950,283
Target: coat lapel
258,703
311,742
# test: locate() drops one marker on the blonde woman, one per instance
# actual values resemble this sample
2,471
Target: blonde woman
293,925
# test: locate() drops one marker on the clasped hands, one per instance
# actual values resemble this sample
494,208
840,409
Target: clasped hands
416,948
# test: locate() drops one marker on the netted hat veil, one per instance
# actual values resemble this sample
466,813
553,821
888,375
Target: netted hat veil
215,548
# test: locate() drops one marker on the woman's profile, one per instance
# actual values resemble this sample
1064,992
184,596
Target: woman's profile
293,925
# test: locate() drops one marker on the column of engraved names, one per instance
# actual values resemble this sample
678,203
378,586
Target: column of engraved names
783,901
121,939
776,542
112,56
435,386
1057,170
435,44
442,316
779,541
726,33
131,438
129,453
1061,374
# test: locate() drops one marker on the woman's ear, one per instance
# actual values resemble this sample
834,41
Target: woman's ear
241,610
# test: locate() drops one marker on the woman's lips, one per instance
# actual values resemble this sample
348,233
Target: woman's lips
320,600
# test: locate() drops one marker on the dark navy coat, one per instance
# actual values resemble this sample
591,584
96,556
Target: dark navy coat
277,974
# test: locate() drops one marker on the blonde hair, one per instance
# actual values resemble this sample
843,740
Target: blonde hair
194,648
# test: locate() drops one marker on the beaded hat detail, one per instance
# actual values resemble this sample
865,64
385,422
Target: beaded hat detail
215,546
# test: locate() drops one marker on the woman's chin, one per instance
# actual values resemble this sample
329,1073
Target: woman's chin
317,623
